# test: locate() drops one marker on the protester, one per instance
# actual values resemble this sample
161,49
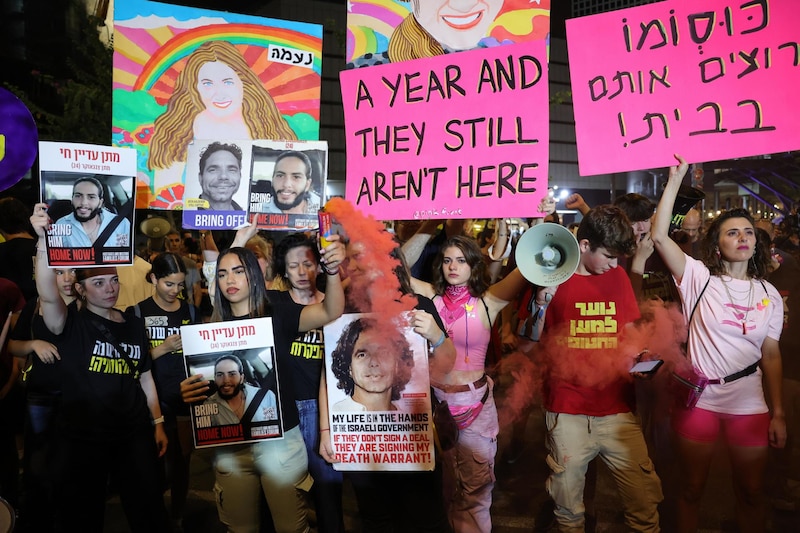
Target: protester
16,253
110,421
11,304
392,501
468,306
735,321
588,393
39,360
164,314
297,265
278,467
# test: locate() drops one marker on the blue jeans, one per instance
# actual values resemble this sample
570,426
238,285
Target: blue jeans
327,489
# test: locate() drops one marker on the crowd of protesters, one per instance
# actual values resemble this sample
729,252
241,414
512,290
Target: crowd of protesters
83,433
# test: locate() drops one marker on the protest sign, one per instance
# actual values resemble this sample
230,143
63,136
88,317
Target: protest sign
217,181
710,80
454,136
89,191
182,73
378,395
287,187
243,403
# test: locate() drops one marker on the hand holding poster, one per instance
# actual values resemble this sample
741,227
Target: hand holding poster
89,191
243,403
710,80
378,396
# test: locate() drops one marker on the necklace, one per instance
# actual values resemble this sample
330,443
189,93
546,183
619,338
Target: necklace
735,306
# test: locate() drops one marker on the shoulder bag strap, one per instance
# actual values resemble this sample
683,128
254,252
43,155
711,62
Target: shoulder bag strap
691,316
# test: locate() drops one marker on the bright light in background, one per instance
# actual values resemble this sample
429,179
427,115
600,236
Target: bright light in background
563,194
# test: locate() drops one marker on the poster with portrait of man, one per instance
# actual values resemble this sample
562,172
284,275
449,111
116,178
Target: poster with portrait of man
89,190
243,399
217,179
288,183
379,405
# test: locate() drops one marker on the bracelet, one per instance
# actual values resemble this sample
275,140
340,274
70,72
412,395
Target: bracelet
438,343
328,272
502,234
326,429
159,420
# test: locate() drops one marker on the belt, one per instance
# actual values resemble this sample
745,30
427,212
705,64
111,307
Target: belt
737,375
480,382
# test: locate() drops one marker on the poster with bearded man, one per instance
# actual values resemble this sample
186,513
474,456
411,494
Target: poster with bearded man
288,183
89,192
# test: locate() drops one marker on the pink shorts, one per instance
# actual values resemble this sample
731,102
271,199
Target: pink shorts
700,425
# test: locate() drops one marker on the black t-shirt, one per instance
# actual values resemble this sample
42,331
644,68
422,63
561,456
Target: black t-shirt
16,264
285,326
306,354
100,398
169,369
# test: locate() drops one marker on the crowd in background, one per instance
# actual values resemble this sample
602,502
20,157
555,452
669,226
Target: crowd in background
475,311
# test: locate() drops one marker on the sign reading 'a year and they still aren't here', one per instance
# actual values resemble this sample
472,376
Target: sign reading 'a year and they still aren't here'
461,135
708,80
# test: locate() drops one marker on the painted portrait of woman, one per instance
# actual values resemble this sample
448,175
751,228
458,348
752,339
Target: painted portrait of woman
216,95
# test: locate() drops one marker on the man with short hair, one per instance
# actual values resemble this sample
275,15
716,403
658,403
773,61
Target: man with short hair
90,220
292,185
590,412
220,176
234,396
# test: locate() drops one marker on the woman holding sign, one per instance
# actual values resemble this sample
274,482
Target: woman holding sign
110,422
279,467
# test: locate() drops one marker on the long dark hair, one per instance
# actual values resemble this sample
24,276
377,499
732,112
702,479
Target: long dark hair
758,264
259,305
478,282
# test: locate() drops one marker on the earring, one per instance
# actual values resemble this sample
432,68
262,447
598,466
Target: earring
718,254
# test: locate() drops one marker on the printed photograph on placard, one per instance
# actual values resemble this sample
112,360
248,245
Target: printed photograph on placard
243,403
89,190
288,183
217,180
378,394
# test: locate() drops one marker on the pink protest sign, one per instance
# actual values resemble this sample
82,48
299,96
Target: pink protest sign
708,80
454,136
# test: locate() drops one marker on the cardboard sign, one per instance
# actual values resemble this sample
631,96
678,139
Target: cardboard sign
455,136
708,80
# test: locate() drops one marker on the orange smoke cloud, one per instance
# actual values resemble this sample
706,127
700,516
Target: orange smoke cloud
377,289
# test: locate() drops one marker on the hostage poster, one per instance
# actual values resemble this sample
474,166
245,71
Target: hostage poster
89,192
378,395
243,403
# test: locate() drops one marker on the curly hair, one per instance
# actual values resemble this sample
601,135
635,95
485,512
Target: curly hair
607,226
478,282
288,243
259,302
758,264
343,356
173,130
410,41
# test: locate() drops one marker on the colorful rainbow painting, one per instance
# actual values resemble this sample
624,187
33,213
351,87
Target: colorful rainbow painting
152,43
370,23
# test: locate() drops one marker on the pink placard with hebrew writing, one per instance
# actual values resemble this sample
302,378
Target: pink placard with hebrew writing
455,136
708,80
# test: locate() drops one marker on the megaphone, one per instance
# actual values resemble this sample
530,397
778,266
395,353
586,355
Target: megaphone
547,254
155,227
686,199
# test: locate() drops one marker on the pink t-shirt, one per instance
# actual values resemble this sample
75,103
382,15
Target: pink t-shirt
717,345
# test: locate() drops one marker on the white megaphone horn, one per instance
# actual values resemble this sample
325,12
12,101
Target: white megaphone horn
547,254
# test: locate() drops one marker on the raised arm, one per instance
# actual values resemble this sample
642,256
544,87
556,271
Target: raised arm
670,252
413,247
317,315
53,308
